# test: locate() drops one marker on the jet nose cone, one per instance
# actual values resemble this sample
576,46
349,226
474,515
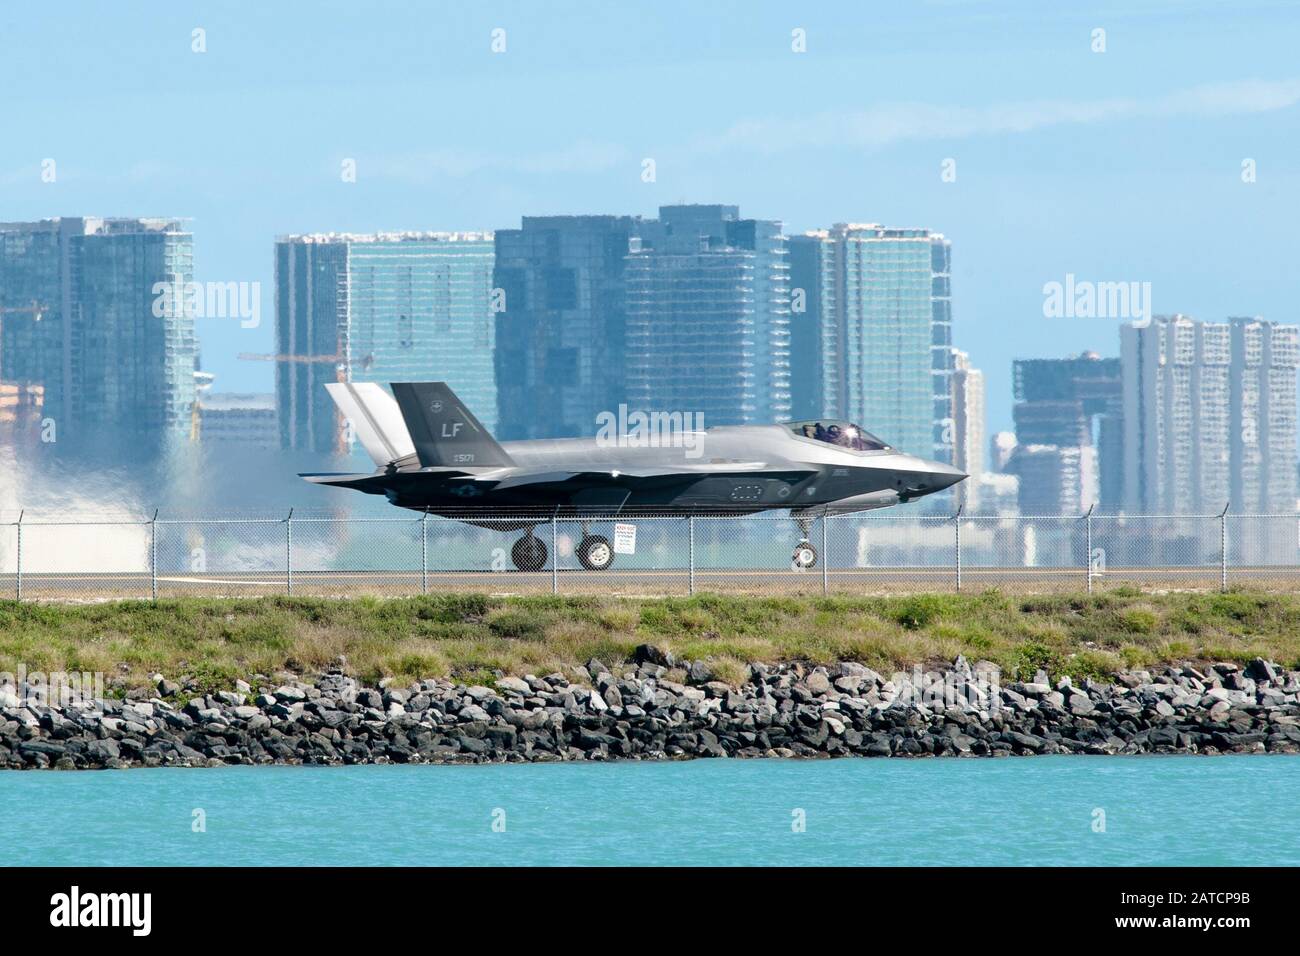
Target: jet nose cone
942,476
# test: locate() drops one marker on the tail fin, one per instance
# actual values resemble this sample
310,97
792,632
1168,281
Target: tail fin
375,418
445,433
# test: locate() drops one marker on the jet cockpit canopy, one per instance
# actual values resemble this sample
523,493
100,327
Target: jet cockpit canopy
837,432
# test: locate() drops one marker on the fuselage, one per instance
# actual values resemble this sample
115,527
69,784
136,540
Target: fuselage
722,470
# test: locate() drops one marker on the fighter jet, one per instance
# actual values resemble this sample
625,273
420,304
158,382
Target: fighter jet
432,455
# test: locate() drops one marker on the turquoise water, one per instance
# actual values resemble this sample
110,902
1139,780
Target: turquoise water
1037,810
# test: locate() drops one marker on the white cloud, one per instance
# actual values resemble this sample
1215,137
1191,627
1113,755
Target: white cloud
890,123
581,157
875,127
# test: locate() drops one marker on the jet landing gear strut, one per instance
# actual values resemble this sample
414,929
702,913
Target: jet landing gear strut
805,555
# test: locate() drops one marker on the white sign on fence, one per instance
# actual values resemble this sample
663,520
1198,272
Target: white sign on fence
625,539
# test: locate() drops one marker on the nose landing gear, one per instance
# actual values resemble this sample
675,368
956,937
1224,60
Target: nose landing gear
805,555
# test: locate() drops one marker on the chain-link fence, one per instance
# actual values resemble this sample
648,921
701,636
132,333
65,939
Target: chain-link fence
56,558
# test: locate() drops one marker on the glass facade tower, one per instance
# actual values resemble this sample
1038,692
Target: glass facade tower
1209,416
561,334
877,315
383,308
115,360
708,315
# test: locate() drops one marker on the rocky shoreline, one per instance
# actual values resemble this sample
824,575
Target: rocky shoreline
657,708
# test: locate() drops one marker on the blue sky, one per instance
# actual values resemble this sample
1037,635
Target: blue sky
1116,166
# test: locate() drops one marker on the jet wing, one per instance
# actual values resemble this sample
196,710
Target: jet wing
371,483
534,478
556,477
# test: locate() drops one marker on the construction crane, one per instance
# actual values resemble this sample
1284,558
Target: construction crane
302,359
366,363
36,309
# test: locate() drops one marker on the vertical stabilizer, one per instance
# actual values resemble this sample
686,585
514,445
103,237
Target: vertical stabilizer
445,433
375,418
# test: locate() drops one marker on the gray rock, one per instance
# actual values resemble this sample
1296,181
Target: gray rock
700,673
653,654
514,685
784,709
1262,670
1080,704
817,683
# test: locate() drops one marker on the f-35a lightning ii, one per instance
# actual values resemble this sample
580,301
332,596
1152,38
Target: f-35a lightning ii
433,455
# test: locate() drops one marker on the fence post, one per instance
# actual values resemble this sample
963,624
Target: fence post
956,523
288,553
826,555
153,556
555,554
424,552
1087,556
690,552
18,579
1223,548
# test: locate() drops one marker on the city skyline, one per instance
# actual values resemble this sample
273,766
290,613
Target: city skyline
1044,135
597,312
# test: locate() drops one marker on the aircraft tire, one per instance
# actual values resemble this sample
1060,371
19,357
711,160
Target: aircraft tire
529,553
804,557
595,552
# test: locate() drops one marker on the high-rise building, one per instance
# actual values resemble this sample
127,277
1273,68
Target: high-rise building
1055,479
20,413
1262,416
560,334
386,307
1074,403
942,353
92,312
236,418
968,428
999,493
1209,415
873,342
708,314
814,337
1001,447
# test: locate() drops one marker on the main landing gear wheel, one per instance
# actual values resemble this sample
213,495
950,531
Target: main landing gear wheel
804,557
528,553
595,552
